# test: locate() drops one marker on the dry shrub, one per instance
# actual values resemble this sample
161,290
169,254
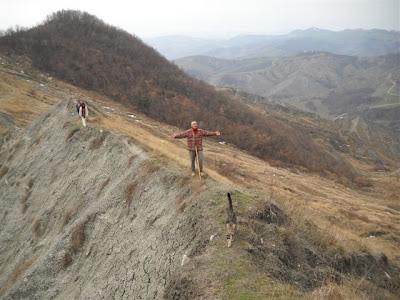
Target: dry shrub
66,260
68,216
30,183
130,160
37,228
97,142
3,171
71,132
77,237
130,188
19,269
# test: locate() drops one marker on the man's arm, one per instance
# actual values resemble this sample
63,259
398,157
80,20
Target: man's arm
180,135
211,133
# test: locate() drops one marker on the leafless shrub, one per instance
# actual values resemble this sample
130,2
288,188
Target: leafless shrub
130,188
37,228
19,269
66,260
97,142
30,183
77,237
3,171
68,216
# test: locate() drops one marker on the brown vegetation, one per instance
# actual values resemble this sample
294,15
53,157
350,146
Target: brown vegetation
3,171
68,216
19,269
85,51
97,142
77,237
130,189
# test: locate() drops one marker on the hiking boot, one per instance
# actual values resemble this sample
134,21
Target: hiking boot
193,174
202,174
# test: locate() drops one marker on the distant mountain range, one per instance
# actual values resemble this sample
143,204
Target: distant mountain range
323,83
355,42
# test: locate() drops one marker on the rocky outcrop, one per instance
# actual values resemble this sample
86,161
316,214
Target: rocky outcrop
88,214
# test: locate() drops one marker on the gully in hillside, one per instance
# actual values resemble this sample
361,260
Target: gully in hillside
194,137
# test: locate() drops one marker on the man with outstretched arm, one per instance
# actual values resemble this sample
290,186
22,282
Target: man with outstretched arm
194,137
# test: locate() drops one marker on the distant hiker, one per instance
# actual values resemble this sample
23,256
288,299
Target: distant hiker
231,221
77,106
83,112
194,137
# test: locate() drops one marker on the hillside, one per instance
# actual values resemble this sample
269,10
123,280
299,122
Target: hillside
86,52
362,95
109,211
322,83
354,42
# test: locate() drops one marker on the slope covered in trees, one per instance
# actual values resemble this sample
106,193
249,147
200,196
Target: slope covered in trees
83,50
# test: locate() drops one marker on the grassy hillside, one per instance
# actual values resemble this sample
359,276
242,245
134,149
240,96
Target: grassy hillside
91,211
86,52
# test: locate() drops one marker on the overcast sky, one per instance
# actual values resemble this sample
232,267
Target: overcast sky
215,18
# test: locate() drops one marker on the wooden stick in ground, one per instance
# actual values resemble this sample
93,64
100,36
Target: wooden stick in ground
197,162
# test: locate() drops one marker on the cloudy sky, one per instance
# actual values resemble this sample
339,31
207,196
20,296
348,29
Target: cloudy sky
215,18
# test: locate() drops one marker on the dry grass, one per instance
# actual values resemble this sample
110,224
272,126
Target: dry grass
68,216
66,259
37,228
77,237
19,269
3,171
333,291
130,189
30,183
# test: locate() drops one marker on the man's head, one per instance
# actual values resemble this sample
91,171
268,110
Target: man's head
194,125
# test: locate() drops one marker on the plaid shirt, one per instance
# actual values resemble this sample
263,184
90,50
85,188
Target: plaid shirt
194,138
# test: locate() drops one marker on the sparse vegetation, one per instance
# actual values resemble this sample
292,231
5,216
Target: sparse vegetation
97,142
77,237
19,269
3,171
66,259
71,132
68,216
130,189
37,228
